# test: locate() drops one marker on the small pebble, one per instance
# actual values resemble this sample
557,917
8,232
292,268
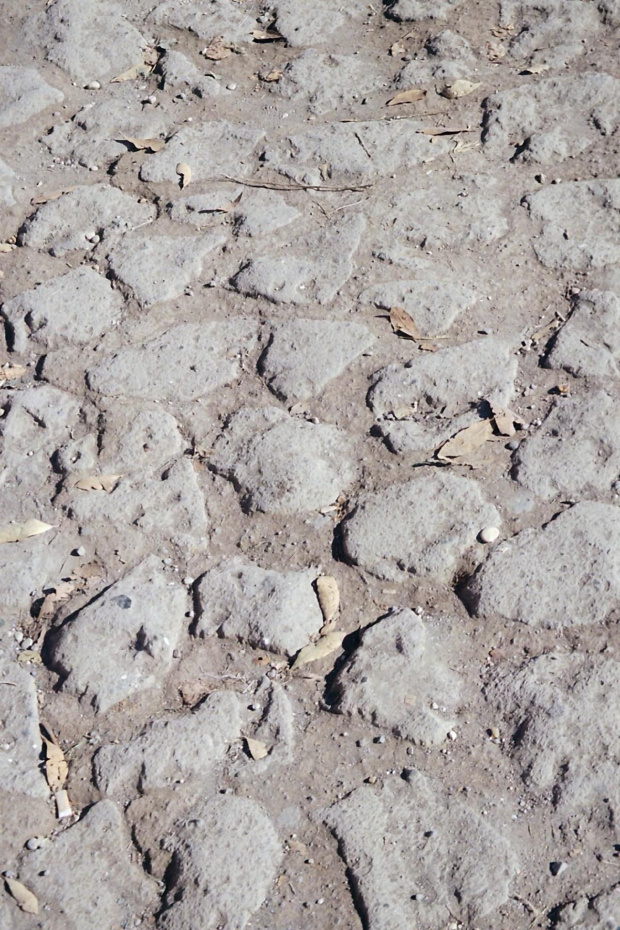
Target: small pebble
93,85
489,534
556,868
452,734
81,551
380,739
513,444
27,642
231,87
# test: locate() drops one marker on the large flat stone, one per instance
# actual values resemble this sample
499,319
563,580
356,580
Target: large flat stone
23,94
328,82
20,770
549,33
434,305
212,150
414,11
588,345
206,18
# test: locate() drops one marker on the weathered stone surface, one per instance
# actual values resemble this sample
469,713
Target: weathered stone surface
122,642
226,859
7,180
180,71
29,567
171,749
281,464
576,452
299,29
328,82
434,305
206,18
201,210
555,119
413,11
579,224
305,355
446,56
422,877
69,222
267,609
276,729
211,150
549,32
23,94
261,211
594,912
21,739
397,677
406,435
75,307
451,380
190,360
161,267
86,875
422,527
133,438
566,574
589,343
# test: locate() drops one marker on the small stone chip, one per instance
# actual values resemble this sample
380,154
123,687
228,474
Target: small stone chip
489,534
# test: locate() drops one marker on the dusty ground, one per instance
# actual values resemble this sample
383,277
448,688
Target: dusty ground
217,345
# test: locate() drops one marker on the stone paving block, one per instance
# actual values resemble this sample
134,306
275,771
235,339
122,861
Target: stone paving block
328,20
20,770
549,32
433,304
589,343
414,11
206,18
327,81
213,150
446,56
261,212
23,94
179,71
133,438
8,178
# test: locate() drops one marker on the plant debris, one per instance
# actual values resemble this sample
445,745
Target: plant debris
406,96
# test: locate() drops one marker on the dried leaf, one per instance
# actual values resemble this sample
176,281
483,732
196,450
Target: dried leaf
217,49
98,483
62,592
397,49
504,420
7,246
328,596
88,571
466,440
406,96
546,331
460,88
23,896
47,198
56,768
140,70
403,323
297,846
29,655
185,173
256,749
274,75
149,145
535,69
314,651
12,372
269,35
17,532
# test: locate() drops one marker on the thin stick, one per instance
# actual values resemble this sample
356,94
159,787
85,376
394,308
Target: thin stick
269,185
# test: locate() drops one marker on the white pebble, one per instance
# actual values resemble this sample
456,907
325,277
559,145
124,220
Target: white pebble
231,87
489,534
452,734
93,85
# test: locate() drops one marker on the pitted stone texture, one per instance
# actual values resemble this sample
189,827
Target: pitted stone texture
299,29
276,730
424,858
266,609
133,438
171,750
561,713
579,224
595,912
161,267
326,265
206,18
549,32
211,150
449,381
7,180
305,355
464,212
281,464
414,11
446,56
554,119
94,135
90,42
422,527
406,435
87,877
397,676
23,94
576,452
122,642
21,738
434,305
74,308
178,70
189,361
334,150
63,225
589,343
566,574
201,210
328,82
28,568
226,859
260,212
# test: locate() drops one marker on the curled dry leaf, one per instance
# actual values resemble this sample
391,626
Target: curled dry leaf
403,323
51,602
256,749
56,768
406,96
29,655
315,651
505,420
267,35
12,372
274,75
23,896
466,441
139,70
217,49
17,532
329,598
98,483
185,173
147,145
460,88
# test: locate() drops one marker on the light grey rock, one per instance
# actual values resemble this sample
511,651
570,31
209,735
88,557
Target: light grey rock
446,56
226,860
133,438
433,304
170,750
576,451
87,876
212,150
206,18
7,180
28,568
414,11
90,42
589,343
179,71
201,210
305,355
551,120
188,361
23,94
74,308
64,224
301,30
261,211
122,642
549,32
423,877
422,527
396,678
406,435
281,464
271,610
328,82
596,912
326,265
579,224
276,729
21,739
449,381
159,268
566,574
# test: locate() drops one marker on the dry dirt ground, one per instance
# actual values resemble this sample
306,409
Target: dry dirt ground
215,227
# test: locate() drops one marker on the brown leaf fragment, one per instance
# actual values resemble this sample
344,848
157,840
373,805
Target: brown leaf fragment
56,767
139,70
88,571
315,651
406,96
29,655
466,441
274,75
267,35
147,145
185,173
98,483
535,69
545,332
460,88
403,323
397,49
23,896
18,532
329,599
217,49
12,372
256,748
52,601
505,420
47,198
